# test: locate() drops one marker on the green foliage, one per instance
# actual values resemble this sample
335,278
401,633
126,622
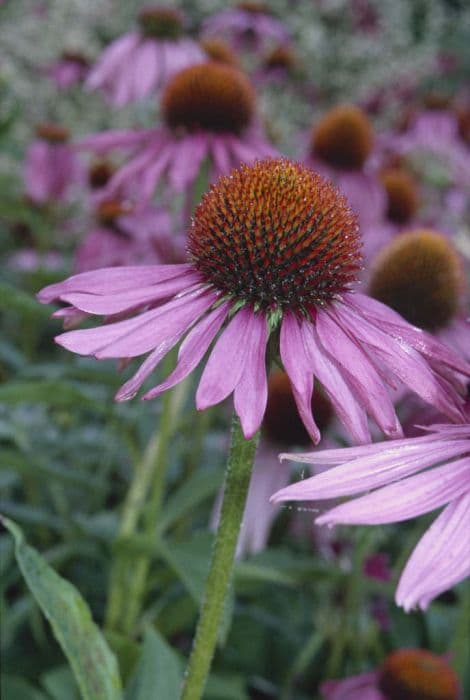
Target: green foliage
84,646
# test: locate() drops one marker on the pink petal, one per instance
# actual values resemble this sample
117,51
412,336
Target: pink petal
296,363
221,158
251,392
138,335
401,359
361,372
193,348
405,499
441,558
145,69
423,342
130,299
118,138
372,470
113,280
187,160
111,59
226,361
346,405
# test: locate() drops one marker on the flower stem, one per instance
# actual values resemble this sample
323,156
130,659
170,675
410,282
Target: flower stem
237,481
128,574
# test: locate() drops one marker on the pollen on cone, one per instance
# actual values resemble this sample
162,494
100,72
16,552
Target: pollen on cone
419,275
210,96
343,138
417,674
276,234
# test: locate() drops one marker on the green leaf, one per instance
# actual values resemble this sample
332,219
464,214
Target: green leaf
13,688
12,299
195,490
92,662
60,683
159,673
52,392
190,562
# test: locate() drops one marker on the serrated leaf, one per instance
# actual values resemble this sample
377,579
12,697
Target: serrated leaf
94,665
159,673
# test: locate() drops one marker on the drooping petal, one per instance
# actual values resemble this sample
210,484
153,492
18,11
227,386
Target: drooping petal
441,558
138,335
346,405
363,376
423,342
296,363
193,348
110,60
145,69
361,687
187,160
251,392
408,498
226,361
402,360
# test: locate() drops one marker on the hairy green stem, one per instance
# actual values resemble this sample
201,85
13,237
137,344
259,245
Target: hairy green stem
237,481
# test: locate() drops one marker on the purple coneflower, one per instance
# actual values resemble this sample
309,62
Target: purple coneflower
274,249
249,25
51,166
403,486
71,68
137,64
209,113
406,674
124,237
341,144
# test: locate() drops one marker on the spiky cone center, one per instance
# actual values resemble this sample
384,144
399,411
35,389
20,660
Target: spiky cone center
108,211
419,274
210,96
281,57
402,195
53,133
277,235
343,138
161,22
254,8
100,173
282,423
219,51
417,674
